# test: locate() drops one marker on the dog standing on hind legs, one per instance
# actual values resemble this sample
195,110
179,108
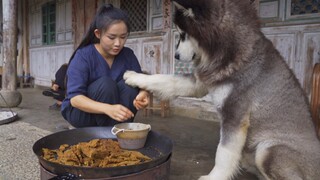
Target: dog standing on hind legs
266,125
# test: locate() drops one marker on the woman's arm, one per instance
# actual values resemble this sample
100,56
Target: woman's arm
117,112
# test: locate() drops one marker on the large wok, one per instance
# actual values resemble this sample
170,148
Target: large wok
157,147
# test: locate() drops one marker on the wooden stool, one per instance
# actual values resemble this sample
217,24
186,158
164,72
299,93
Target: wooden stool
26,81
163,107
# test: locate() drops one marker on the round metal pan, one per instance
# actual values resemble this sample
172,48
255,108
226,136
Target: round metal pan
157,147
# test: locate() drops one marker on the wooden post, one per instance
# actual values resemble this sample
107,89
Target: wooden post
9,77
25,38
83,12
166,10
9,44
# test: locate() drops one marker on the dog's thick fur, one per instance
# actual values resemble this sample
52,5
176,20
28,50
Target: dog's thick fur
266,125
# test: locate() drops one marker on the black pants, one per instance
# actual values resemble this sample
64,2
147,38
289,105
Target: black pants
107,91
61,95
57,95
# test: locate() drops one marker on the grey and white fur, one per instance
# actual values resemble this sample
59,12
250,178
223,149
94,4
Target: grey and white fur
266,124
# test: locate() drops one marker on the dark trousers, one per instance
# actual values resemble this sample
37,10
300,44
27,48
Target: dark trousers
57,95
61,95
107,91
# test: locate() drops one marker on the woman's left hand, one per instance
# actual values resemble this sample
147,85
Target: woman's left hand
142,100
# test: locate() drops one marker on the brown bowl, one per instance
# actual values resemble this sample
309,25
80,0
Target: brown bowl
131,135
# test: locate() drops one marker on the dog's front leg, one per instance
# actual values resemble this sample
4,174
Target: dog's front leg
166,86
229,151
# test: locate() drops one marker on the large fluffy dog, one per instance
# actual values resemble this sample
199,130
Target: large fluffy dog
266,126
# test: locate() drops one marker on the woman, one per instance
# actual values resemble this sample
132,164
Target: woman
96,92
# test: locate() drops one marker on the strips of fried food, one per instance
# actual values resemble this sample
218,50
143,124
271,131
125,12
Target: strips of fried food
95,153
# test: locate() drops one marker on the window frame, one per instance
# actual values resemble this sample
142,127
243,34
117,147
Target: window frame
298,17
49,19
283,14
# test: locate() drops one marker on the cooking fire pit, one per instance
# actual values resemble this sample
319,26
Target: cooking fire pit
157,147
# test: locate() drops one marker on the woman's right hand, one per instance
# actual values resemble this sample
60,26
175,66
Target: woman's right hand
119,113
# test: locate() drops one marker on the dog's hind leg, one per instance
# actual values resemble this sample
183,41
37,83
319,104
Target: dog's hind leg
278,162
229,151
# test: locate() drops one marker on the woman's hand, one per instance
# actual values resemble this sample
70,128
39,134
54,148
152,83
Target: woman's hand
119,113
55,87
142,100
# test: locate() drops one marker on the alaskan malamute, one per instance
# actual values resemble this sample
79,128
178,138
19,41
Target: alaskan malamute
266,125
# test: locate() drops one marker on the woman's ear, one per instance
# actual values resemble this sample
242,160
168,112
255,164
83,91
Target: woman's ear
97,33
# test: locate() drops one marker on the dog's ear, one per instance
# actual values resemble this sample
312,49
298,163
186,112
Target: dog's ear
178,6
186,12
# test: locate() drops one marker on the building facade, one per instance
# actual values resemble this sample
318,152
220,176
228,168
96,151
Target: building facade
54,28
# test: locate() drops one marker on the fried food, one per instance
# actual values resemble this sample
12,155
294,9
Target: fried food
95,153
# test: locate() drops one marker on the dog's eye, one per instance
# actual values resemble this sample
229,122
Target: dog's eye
182,36
178,44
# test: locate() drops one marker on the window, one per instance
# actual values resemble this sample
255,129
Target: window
49,23
137,11
289,12
299,7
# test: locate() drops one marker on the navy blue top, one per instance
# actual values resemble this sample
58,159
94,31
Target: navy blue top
88,65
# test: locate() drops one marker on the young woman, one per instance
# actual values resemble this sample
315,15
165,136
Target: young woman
96,92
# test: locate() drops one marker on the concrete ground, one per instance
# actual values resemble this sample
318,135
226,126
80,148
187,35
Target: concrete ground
195,141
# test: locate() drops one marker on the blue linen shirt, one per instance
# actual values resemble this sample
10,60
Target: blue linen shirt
88,65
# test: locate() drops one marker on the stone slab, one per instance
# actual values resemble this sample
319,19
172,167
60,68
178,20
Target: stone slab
17,160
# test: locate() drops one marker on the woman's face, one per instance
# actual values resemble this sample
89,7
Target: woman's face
113,40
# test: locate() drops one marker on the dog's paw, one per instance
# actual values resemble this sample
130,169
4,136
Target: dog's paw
134,79
128,74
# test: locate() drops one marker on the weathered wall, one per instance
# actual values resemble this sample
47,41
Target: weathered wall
299,44
300,47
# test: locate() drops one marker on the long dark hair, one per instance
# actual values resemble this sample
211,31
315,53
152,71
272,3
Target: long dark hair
105,16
